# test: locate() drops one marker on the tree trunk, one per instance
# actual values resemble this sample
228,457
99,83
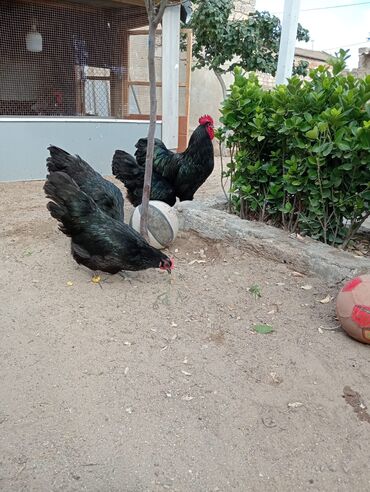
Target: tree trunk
151,132
224,94
222,83
154,19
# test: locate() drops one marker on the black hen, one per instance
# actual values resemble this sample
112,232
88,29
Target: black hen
99,242
126,169
182,173
105,194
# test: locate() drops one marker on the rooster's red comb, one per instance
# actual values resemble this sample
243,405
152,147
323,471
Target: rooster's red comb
205,119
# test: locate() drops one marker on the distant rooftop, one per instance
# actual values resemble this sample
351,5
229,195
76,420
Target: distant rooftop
312,54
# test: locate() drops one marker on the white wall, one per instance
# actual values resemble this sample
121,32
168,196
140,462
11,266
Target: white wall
206,96
24,142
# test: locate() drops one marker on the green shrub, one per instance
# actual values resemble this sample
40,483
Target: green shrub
300,153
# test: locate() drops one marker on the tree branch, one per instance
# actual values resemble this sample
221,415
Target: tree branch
222,84
160,13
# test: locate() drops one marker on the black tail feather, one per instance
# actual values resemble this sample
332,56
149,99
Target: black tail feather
126,169
140,153
141,148
73,165
69,206
59,159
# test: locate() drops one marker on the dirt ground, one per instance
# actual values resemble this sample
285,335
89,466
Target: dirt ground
161,383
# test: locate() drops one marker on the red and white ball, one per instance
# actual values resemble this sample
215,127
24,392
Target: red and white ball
353,308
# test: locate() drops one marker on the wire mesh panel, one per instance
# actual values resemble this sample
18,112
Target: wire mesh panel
138,55
65,58
138,77
139,100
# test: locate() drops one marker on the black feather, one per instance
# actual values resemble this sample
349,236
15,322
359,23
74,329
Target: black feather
196,164
165,162
105,194
131,173
174,175
98,241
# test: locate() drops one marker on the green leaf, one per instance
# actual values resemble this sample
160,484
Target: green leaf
312,169
313,134
288,207
346,166
343,146
327,148
263,329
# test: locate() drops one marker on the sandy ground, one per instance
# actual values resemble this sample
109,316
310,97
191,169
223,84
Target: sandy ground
160,383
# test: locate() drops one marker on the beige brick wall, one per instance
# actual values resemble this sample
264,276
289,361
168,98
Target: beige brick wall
363,68
268,81
243,8
364,59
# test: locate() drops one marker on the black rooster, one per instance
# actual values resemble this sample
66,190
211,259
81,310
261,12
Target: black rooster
126,169
105,194
174,174
99,242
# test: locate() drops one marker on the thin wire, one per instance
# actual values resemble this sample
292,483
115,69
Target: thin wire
330,7
336,6
345,45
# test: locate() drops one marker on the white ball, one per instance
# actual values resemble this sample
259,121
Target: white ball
163,223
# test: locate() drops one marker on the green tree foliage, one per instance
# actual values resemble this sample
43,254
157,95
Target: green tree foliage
301,152
220,43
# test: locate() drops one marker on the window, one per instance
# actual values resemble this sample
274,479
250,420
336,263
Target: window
96,91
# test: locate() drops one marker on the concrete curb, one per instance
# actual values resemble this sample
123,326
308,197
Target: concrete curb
306,256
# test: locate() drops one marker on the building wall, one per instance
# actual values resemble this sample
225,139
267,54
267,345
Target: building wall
363,68
24,142
206,93
364,59
268,81
206,96
243,8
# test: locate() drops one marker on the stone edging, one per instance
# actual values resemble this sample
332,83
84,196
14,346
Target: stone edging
304,255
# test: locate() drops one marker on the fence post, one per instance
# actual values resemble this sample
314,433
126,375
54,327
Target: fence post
170,76
287,41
